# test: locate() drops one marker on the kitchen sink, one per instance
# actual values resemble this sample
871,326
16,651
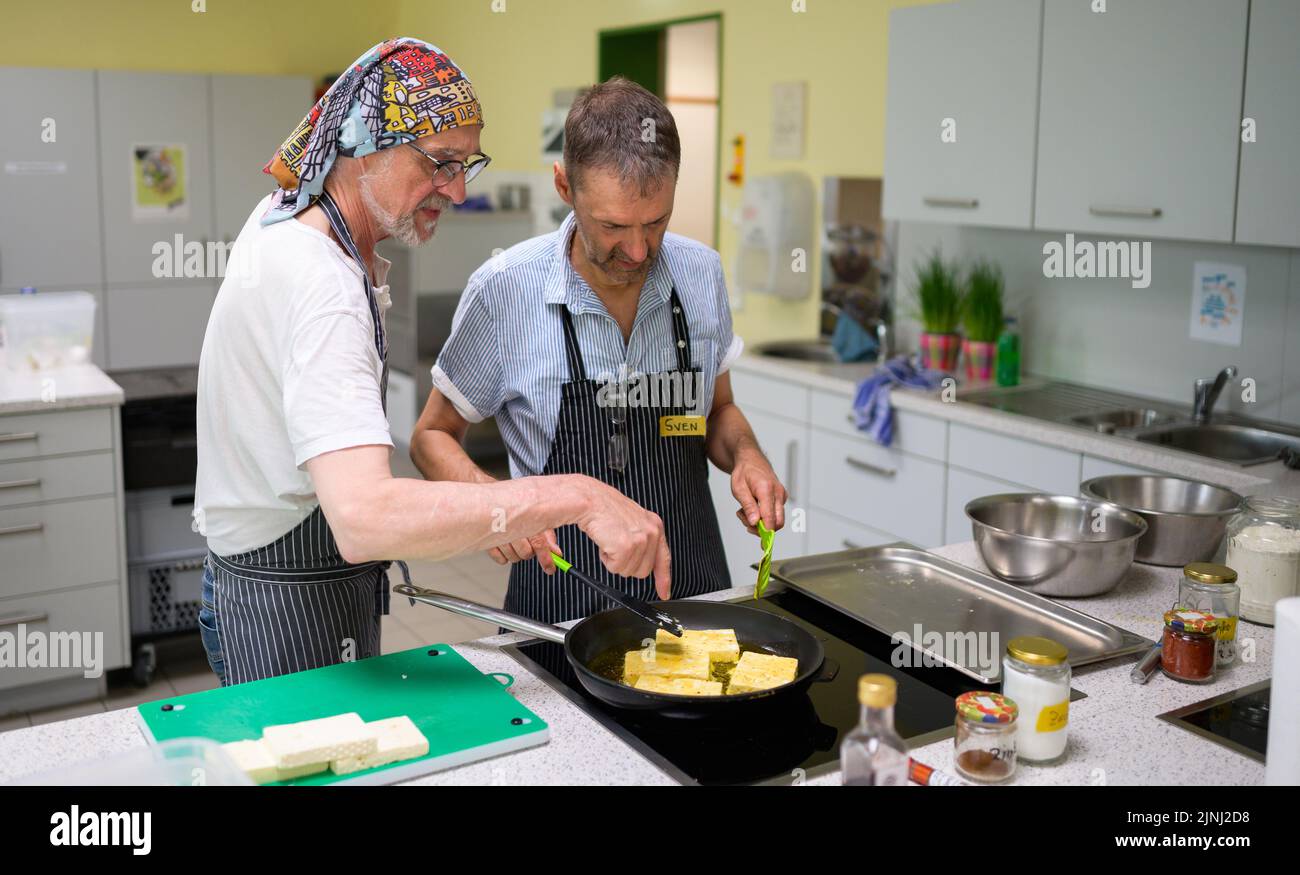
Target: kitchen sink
800,350
1110,421
1242,444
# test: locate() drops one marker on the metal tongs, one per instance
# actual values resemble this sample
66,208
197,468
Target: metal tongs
644,610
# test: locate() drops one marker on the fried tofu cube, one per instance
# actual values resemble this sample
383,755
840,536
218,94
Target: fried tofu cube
721,644
761,671
679,686
667,661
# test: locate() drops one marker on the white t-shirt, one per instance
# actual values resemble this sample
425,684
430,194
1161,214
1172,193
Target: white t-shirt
289,371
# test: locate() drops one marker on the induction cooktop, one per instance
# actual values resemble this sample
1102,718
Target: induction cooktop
1237,720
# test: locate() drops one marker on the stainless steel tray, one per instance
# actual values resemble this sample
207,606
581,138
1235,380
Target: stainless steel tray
896,587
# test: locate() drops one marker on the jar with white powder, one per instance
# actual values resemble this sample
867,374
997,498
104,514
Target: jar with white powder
1036,675
1264,550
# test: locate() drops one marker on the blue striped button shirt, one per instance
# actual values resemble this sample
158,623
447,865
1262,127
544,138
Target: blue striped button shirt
505,357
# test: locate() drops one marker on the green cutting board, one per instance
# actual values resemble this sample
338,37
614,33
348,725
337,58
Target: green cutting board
465,714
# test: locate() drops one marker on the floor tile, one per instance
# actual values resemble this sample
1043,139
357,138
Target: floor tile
122,693
191,679
66,712
395,636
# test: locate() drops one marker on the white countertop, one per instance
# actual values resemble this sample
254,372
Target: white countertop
58,389
1115,737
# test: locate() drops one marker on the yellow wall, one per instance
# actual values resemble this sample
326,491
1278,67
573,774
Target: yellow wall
516,58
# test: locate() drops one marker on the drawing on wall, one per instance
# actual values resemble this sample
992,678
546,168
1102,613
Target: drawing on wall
1218,302
159,187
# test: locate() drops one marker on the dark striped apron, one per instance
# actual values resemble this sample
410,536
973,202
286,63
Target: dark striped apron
667,475
296,604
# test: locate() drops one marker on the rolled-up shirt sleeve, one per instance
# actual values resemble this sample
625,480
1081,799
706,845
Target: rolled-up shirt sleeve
331,386
468,371
729,344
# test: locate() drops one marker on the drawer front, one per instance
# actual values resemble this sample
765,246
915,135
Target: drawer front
35,480
964,487
1038,466
913,432
52,546
159,524
28,435
96,609
876,487
827,533
758,392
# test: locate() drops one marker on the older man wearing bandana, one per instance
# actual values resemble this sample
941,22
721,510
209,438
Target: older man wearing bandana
294,491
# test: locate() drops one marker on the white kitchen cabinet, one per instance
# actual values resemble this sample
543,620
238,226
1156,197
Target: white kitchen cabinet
143,109
972,66
1139,117
1268,188
914,433
1013,460
828,533
251,117
49,180
151,326
963,488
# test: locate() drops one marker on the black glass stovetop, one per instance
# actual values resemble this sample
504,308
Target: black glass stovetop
786,743
1237,720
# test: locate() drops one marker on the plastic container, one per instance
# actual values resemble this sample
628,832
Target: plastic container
1264,550
178,762
47,330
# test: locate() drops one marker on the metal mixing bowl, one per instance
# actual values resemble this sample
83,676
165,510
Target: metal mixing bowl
1055,545
1185,518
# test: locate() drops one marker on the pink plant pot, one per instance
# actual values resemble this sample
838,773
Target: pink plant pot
940,352
980,355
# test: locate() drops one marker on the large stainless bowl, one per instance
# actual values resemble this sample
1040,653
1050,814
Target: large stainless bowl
1185,518
1055,545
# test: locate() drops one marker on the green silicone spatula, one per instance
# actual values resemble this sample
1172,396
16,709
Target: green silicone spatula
765,537
642,609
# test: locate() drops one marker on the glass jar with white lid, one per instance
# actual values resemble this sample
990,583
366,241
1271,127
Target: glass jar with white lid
1264,549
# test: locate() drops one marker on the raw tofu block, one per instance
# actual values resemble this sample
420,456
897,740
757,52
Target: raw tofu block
399,739
721,644
319,741
679,686
254,758
300,771
669,661
761,671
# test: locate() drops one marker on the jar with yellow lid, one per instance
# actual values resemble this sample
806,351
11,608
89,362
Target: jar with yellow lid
1213,588
1188,648
1036,675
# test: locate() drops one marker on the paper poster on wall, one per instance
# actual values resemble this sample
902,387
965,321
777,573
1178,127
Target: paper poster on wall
1218,302
788,99
159,184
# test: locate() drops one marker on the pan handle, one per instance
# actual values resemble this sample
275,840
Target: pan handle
830,668
513,622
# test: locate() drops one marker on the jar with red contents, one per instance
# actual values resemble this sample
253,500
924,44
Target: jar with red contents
1188,648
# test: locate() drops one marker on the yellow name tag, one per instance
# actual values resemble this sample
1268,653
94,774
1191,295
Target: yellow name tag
681,426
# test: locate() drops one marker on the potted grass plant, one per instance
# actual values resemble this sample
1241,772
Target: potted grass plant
938,294
981,319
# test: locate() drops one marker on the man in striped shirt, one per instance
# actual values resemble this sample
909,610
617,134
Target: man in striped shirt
603,349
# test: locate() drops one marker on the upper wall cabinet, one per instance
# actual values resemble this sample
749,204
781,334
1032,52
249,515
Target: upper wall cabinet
960,113
49,180
1268,190
146,111
1139,117
251,117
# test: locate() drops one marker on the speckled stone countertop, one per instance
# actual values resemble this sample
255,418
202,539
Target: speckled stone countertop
1115,737
1271,479
58,389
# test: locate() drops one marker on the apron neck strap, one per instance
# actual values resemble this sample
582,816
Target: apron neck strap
681,340
340,228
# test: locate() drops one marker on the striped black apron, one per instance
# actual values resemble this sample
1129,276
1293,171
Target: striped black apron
295,604
667,475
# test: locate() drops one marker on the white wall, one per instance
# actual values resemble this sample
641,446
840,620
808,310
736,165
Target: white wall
1105,333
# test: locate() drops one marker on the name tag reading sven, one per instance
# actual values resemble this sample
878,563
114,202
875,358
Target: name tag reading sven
681,426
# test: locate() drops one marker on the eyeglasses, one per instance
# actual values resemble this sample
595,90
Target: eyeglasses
445,172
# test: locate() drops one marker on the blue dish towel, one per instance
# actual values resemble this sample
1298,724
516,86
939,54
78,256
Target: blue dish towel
872,410
852,342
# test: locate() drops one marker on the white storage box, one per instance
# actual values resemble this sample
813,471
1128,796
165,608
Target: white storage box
47,330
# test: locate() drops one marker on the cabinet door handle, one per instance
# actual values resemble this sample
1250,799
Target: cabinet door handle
15,619
18,484
869,468
21,530
10,437
792,465
1126,212
964,203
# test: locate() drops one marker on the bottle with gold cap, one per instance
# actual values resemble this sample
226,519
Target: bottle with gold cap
1213,588
1036,675
874,754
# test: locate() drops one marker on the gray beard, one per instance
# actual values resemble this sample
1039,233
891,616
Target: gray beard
400,227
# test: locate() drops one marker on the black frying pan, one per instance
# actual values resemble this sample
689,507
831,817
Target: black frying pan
620,630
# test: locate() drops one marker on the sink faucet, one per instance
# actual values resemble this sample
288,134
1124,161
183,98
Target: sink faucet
1206,392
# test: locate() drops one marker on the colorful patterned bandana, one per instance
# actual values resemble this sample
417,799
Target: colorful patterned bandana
399,91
